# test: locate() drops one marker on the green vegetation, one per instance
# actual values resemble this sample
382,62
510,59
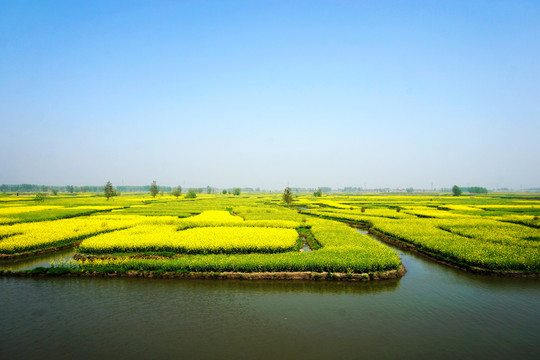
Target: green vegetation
477,190
177,192
287,196
154,189
191,194
108,190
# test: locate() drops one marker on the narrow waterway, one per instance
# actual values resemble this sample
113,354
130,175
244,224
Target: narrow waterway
305,245
32,262
432,312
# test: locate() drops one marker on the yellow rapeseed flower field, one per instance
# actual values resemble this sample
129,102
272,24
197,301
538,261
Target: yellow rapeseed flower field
207,240
44,234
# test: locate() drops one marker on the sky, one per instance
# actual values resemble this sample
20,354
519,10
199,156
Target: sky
269,94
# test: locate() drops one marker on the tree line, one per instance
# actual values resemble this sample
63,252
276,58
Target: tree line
109,191
74,189
457,191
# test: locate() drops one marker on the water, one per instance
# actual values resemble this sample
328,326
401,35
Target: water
32,262
305,245
432,312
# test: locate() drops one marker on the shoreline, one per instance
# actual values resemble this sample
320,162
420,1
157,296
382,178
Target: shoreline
434,257
38,252
303,275
445,261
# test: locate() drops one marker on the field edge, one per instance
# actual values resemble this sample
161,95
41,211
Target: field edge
301,275
448,262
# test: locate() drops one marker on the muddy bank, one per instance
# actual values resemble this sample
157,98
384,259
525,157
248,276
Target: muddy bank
440,259
305,275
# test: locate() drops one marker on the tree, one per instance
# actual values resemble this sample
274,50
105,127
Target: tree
236,191
318,193
456,190
109,190
287,196
224,192
154,189
70,189
477,190
191,194
39,197
209,190
54,192
177,191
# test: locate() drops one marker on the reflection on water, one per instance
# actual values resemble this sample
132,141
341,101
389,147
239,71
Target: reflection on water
297,286
37,261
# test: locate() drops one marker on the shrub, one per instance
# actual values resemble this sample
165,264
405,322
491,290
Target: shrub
177,191
287,196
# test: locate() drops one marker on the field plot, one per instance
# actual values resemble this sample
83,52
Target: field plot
27,237
10,214
203,240
264,242
484,232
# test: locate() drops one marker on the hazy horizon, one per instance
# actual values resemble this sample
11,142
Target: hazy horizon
269,94
132,188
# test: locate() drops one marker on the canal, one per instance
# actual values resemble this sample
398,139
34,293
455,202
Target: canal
432,312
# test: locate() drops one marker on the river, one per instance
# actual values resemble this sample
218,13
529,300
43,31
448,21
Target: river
432,312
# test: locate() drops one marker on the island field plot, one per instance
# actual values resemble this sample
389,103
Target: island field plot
211,232
216,241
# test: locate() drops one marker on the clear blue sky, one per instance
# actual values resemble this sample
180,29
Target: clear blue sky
270,93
